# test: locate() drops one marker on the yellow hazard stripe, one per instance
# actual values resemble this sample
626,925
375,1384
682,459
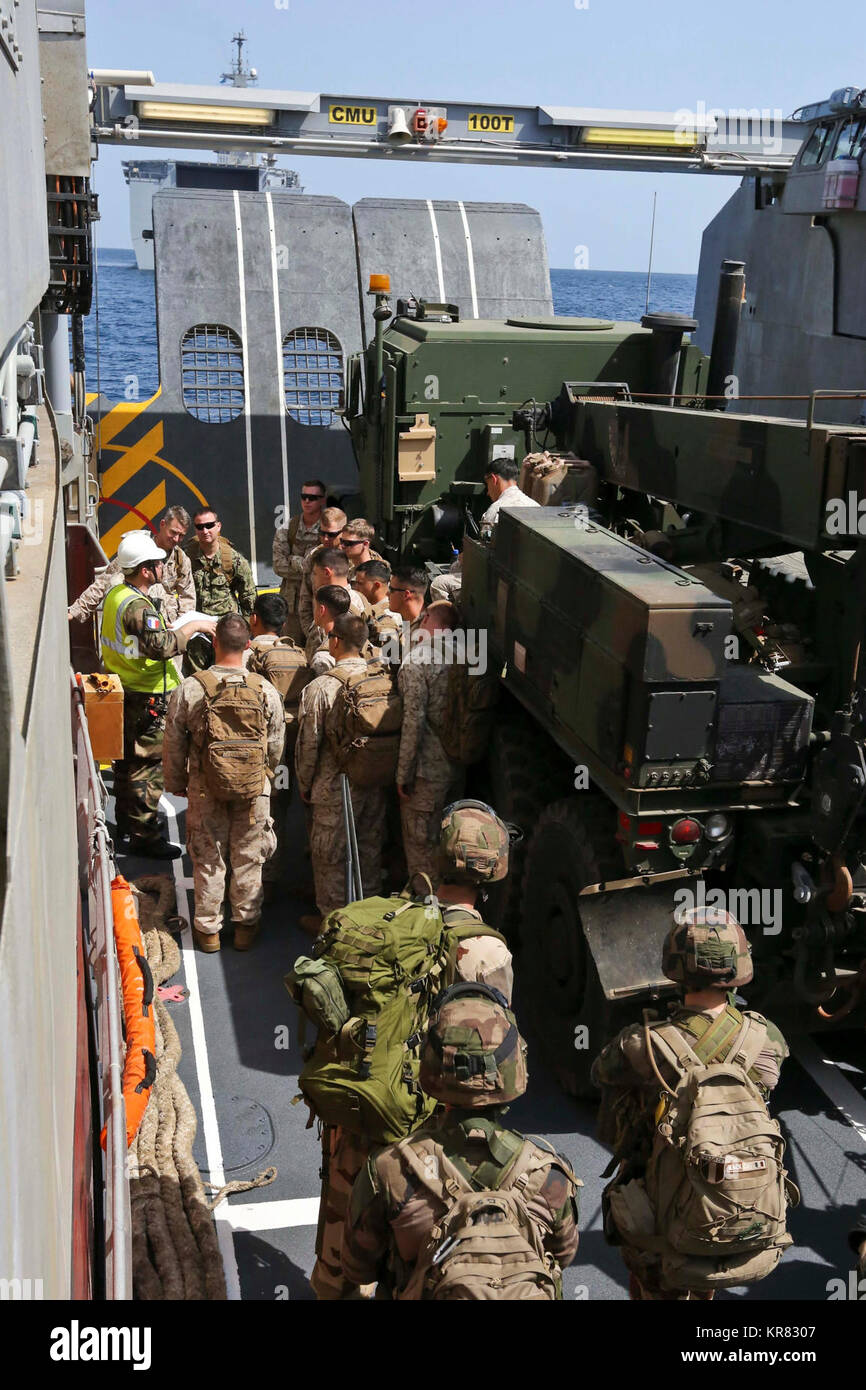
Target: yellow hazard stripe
150,506
119,416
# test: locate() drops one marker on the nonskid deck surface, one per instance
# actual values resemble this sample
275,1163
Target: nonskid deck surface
240,1062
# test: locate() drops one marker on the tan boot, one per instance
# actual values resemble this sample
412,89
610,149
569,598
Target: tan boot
245,935
206,940
310,923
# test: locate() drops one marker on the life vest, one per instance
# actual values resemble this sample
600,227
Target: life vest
120,649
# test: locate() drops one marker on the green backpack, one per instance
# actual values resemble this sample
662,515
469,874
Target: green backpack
368,989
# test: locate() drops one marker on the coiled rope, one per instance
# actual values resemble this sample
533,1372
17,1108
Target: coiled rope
175,1253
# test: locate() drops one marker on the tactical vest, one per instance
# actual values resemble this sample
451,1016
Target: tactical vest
120,649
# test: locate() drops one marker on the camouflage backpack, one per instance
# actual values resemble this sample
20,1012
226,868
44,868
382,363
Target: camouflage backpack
712,1205
364,725
235,749
467,717
284,664
486,1246
367,988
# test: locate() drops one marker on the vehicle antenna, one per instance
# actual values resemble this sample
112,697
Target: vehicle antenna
649,273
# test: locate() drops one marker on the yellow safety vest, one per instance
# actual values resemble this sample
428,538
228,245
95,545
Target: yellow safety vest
120,650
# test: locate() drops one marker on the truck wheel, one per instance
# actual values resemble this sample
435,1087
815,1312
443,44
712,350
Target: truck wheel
572,846
523,776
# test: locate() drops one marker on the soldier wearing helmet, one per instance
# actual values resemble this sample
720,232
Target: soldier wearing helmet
138,647
705,952
474,1061
472,851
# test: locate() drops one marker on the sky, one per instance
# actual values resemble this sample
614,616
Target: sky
637,54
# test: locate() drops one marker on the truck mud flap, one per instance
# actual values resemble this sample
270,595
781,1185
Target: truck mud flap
625,931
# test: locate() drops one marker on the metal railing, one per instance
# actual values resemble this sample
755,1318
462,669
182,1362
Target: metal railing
96,869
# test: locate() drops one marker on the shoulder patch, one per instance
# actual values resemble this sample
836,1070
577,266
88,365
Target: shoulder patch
151,622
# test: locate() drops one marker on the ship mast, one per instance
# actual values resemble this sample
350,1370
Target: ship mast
240,74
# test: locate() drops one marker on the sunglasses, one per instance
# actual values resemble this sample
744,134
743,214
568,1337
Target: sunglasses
312,497
331,535
205,525
393,590
351,541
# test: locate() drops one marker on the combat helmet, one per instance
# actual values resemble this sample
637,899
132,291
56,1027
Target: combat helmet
707,946
473,843
473,1055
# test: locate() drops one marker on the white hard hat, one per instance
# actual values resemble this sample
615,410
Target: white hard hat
136,548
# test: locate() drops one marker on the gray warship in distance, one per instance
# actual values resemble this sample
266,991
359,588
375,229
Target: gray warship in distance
265,345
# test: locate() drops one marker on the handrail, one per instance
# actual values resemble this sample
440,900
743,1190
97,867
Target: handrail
95,852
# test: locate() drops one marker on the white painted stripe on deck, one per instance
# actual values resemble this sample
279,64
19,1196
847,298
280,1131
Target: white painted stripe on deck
248,423
279,332
438,249
210,1127
470,258
271,1216
824,1072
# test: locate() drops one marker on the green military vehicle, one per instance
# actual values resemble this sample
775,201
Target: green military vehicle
678,632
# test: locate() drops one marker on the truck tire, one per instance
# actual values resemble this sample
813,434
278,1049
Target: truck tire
572,846
525,772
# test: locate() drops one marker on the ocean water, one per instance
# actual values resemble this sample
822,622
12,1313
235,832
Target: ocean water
120,334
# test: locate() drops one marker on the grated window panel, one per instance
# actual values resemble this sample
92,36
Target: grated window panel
212,373
313,375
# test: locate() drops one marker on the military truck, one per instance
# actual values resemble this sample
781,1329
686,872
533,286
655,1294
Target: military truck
678,633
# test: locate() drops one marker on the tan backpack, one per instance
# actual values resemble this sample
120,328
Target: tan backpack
714,1200
235,749
364,726
284,664
486,1246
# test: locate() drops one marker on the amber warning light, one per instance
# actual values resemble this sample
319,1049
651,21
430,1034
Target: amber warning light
380,284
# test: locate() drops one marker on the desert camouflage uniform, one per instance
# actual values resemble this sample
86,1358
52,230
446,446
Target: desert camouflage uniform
448,586
175,595
319,658
386,630
217,832
479,958
138,781
422,765
391,1215
319,777
288,563
305,600
215,594
281,796
630,1092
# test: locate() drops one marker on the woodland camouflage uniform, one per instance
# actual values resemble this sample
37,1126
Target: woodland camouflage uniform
138,779
392,1211
423,766
216,593
219,832
696,955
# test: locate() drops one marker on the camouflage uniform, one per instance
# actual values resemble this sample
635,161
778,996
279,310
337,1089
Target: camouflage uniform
281,796
319,658
448,586
479,958
174,595
704,949
217,831
473,1060
305,600
386,626
215,593
138,781
319,778
422,764
288,561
